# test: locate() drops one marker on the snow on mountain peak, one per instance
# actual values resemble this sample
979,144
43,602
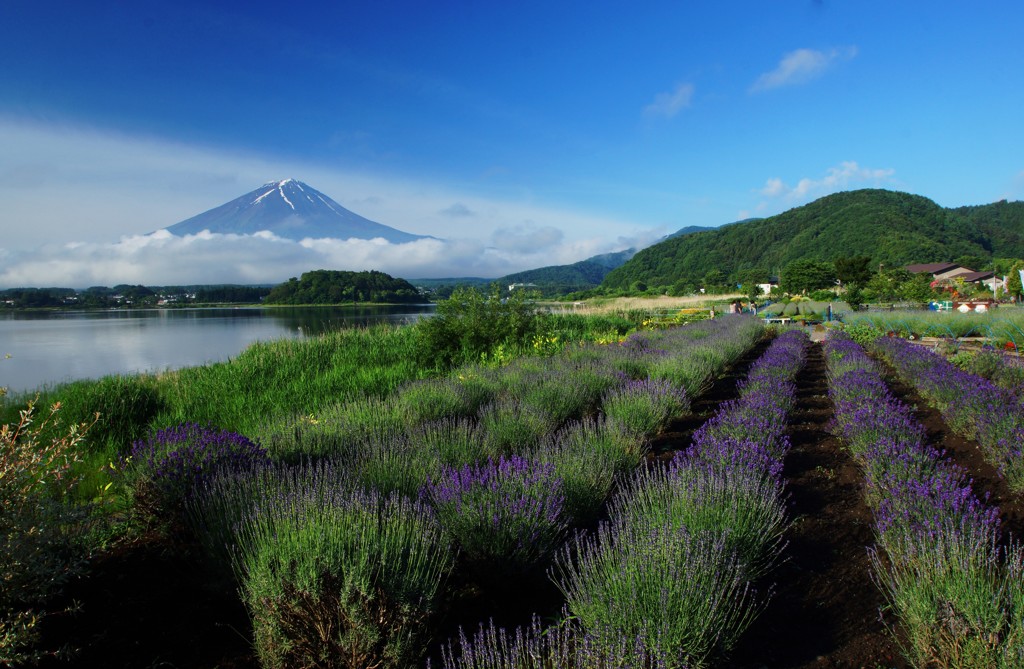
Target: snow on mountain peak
280,189
302,211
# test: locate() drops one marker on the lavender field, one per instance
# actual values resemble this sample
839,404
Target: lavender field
710,495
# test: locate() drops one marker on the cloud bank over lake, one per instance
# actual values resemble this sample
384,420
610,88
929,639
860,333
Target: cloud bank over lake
63,229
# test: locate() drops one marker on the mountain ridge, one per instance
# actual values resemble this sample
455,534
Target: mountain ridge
890,227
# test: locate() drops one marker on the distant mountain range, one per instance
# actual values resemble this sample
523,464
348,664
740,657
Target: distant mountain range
561,279
893,229
292,210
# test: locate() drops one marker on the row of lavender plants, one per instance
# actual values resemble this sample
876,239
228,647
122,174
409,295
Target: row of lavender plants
1006,370
669,579
972,406
343,528
954,587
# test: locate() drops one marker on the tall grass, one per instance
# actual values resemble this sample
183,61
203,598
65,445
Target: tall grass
270,378
1003,324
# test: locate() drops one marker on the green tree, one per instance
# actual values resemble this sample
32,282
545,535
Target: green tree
972,261
853,270
714,280
917,289
885,285
1013,282
800,276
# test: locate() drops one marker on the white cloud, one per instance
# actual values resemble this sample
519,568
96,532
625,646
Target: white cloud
801,66
773,188
165,259
671,103
841,177
67,193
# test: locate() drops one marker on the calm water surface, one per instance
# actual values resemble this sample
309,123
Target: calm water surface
52,347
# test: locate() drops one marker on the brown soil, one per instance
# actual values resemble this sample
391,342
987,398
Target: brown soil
826,611
152,604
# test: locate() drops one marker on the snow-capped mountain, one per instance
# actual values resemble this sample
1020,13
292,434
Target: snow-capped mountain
292,210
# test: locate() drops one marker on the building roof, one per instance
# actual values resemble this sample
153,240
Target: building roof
932,267
971,277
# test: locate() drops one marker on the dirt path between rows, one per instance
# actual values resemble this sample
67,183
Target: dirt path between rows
826,611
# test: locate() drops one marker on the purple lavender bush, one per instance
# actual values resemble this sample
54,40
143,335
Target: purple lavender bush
506,514
341,578
937,555
645,407
683,595
160,472
972,406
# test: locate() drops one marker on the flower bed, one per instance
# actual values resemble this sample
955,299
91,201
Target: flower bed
937,557
494,465
971,405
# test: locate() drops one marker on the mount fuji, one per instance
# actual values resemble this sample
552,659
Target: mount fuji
292,210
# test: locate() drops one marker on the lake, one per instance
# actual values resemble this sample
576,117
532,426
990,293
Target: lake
49,347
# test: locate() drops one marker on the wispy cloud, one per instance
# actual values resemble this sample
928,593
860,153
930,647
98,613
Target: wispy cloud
841,177
671,103
801,66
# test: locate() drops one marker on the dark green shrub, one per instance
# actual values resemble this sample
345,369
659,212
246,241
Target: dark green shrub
471,324
41,533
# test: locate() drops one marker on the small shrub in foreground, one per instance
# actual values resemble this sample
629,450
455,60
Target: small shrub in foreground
511,426
40,532
349,579
586,456
645,407
685,595
561,646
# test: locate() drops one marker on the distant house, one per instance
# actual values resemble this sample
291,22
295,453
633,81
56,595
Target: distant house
976,277
942,272
939,270
945,274
513,286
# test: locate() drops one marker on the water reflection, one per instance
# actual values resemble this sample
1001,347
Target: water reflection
48,347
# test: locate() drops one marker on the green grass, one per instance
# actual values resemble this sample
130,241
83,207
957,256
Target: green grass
265,381
1002,324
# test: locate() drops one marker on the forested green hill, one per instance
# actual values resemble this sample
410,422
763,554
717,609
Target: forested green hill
335,287
891,228
561,279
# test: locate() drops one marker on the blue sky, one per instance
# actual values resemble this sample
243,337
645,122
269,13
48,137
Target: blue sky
525,133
